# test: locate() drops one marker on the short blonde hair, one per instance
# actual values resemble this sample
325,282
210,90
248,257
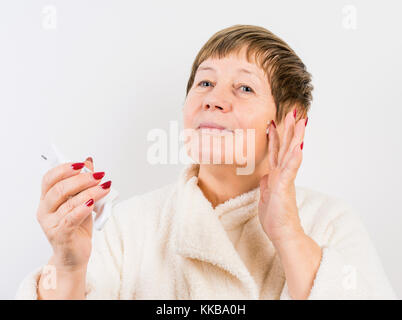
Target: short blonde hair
287,75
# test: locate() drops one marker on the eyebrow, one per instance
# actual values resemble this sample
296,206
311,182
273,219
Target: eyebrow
240,70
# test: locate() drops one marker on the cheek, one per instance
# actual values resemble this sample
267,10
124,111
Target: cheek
251,120
259,124
261,144
188,114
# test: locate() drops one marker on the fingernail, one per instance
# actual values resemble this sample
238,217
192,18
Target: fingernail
98,175
294,113
90,202
301,146
89,159
78,165
273,122
106,185
305,124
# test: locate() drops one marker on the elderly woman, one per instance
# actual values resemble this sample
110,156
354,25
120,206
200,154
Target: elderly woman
216,233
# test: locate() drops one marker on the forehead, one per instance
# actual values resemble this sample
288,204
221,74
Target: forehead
236,62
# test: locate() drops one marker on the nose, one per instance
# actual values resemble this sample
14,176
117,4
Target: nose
216,101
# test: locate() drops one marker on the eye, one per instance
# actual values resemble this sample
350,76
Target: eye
244,86
204,81
200,84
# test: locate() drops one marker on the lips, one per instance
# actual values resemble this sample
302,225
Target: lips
212,125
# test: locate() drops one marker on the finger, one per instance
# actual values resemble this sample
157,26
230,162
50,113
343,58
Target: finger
95,193
287,136
57,174
298,137
289,172
273,146
89,163
69,187
78,215
263,187
263,184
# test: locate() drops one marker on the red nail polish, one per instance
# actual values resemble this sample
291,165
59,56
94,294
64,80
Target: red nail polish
305,124
301,146
98,175
90,159
78,165
294,113
106,185
273,122
90,202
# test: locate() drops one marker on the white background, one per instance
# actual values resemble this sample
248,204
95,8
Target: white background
110,71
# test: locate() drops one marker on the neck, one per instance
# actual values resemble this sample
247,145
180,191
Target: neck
220,182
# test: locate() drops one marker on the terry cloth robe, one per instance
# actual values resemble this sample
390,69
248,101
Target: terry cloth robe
171,243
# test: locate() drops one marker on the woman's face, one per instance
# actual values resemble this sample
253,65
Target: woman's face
235,94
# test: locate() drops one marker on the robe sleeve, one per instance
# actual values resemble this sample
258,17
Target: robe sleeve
103,280
350,268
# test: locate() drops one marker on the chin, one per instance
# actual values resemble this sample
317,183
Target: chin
212,156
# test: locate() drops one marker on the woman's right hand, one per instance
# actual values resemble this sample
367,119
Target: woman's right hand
65,214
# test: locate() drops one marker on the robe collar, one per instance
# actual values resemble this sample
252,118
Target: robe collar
200,228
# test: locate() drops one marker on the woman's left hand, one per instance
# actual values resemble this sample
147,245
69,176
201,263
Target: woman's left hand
277,208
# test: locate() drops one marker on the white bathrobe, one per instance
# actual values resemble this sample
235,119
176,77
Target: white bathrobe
171,244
